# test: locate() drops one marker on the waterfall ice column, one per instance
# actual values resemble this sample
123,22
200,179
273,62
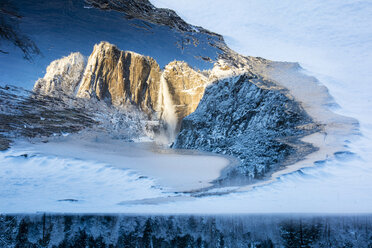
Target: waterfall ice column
168,113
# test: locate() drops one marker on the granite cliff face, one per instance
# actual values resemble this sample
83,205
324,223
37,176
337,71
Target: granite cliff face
125,78
120,78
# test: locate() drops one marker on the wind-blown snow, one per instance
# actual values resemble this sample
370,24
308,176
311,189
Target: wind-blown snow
52,183
331,40
71,173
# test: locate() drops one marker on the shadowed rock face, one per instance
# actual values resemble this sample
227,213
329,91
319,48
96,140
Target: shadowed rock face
246,118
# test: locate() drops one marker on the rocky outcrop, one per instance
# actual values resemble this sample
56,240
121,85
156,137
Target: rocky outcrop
62,76
24,114
240,116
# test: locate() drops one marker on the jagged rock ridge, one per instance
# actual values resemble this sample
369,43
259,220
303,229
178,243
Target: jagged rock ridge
144,10
127,78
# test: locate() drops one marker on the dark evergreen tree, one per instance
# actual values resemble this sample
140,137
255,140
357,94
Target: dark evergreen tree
128,240
47,229
67,223
22,239
221,241
186,241
266,244
147,233
64,243
299,235
80,240
255,173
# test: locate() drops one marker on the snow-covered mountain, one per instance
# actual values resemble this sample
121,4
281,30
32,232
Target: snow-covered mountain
239,110
173,79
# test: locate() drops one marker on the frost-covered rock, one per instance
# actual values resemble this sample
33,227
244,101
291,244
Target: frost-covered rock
239,117
62,75
225,69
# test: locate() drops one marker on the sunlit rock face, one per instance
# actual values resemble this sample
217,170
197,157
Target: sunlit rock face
186,87
121,77
62,75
